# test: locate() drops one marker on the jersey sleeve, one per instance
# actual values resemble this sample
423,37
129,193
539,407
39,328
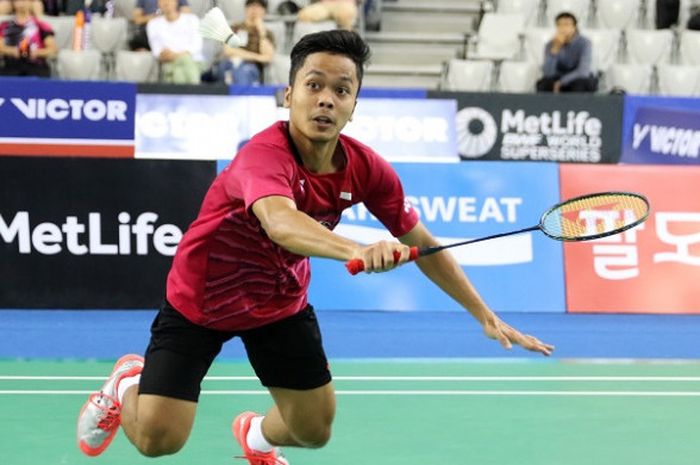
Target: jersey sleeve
386,199
45,29
260,171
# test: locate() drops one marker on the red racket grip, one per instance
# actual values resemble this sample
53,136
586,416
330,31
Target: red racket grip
356,265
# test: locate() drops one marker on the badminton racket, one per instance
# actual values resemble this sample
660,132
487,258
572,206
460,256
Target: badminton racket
583,218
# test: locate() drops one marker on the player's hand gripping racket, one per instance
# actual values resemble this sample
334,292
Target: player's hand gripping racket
581,218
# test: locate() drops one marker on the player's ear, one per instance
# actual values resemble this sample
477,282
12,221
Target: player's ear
287,96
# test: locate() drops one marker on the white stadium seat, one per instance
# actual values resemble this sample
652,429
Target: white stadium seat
618,14
468,75
632,78
136,66
605,45
63,29
529,9
498,36
301,29
517,76
679,80
84,65
690,47
649,47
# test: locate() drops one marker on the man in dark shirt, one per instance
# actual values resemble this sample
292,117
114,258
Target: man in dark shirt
567,60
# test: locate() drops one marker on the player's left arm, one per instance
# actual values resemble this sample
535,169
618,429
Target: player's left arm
445,272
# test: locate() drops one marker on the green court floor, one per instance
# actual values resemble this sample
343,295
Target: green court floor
399,413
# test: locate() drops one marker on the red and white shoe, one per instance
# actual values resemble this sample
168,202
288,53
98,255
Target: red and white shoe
100,417
240,428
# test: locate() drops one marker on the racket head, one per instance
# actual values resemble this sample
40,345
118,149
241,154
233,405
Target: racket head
593,216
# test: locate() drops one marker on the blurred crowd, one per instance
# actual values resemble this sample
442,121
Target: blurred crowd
168,29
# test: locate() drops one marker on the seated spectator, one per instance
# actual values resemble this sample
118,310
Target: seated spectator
176,43
244,65
26,43
567,60
343,12
694,18
145,11
667,12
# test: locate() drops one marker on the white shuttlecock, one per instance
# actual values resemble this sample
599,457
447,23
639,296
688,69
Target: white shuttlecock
214,26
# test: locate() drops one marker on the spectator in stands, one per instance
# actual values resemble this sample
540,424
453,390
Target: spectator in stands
244,65
694,18
667,12
343,12
145,11
26,43
176,43
567,60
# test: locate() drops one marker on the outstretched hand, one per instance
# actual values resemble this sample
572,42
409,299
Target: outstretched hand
495,328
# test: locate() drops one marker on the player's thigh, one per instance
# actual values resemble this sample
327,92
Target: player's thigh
289,353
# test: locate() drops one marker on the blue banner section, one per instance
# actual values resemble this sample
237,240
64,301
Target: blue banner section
661,130
199,127
376,92
49,109
521,273
407,129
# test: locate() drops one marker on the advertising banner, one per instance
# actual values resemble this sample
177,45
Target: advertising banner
199,127
456,202
661,130
541,127
93,233
407,130
653,268
404,129
40,117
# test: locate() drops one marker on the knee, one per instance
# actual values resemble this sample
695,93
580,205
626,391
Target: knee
157,445
314,436
155,439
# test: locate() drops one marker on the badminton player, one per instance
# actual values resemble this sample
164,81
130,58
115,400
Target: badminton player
242,270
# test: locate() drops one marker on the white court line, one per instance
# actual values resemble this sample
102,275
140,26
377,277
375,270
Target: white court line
402,378
422,393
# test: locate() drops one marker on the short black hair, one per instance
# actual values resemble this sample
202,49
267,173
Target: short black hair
338,42
566,15
262,3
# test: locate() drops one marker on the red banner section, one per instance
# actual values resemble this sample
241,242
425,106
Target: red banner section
653,268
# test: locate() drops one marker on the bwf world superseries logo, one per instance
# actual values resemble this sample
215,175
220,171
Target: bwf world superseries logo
565,136
477,132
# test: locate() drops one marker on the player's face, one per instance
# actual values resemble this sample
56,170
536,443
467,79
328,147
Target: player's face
21,6
323,96
566,28
167,6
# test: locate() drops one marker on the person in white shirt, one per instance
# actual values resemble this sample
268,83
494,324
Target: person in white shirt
176,43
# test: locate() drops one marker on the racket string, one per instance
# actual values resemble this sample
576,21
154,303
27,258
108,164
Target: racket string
593,216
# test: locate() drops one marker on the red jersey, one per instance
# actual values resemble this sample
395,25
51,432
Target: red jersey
227,274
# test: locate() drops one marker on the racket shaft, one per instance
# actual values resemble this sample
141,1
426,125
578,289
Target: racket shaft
431,250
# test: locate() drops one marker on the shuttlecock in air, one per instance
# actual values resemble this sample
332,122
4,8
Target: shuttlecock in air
214,26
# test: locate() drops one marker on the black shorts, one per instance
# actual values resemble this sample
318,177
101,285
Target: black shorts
287,354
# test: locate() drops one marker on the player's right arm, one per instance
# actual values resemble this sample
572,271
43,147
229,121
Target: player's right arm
300,234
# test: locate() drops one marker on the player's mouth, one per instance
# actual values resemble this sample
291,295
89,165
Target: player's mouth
323,122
